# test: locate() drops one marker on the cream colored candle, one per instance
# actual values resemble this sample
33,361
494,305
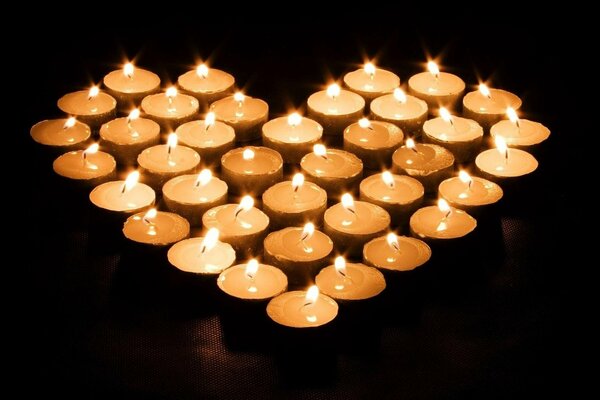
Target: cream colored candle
428,163
244,113
192,195
241,225
335,109
373,142
126,137
170,109
292,136
206,84
505,163
205,256
461,136
88,167
61,135
520,133
334,170
210,138
156,228
92,107
371,82
130,84
409,113
251,169
350,281
487,106
441,222
252,281
396,253
123,197
437,88
469,193
299,252
162,162
399,195
302,309
295,202
351,224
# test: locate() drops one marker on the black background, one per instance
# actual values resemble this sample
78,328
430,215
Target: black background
102,325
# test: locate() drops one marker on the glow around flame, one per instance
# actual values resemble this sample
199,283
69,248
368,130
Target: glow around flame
202,71
69,123
210,239
348,201
484,90
172,140
94,91
464,177
204,177
340,265
171,92
308,231
128,69
320,150
248,154
512,115
333,90
294,119
297,181
392,240
246,203
445,114
364,123
410,143
501,144
134,114
131,180
239,97
388,178
443,205
369,68
433,68
251,268
312,294
209,119
92,149
399,95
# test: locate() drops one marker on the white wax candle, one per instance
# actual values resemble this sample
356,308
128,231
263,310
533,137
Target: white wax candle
62,135
211,139
504,163
156,228
207,84
469,193
251,169
292,136
488,106
524,135
373,142
435,222
91,107
407,112
244,113
335,109
263,284
162,162
396,253
88,168
127,137
170,109
198,257
334,170
123,197
371,82
437,88
350,281
294,310
462,136
130,84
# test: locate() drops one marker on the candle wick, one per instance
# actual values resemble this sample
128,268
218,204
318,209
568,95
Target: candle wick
148,222
124,188
396,247
506,157
207,127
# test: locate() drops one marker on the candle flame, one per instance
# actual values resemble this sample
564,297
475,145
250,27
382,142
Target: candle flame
204,177
92,149
388,178
69,123
369,68
392,241
251,268
202,71
433,68
308,231
484,90
94,91
172,141
248,154
297,181
399,95
209,119
239,97
131,180
171,92
333,90
340,265
364,123
210,240
410,143
133,115
512,115
443,205
294,119
445,114
150,214
246,204
312,294
320,150
128,69
464,177
501,145
348,202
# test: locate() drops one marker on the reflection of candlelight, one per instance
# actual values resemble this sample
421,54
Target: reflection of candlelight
445,208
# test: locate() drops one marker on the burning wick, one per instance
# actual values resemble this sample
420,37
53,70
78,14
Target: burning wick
297,181
209,120
388,179
348,203
399,95
465,178
312,294
365,123
94,91
307,233
433,69
90,150
446,116
246,204
320,150
130,181
239,97
133,115
203,178
410,143
294,119
128,70
502,147
69,123
210,240
146,219
171,93
370,69
171,144
392,241
484,90
333,91
445,208
250,272
514,118
202,71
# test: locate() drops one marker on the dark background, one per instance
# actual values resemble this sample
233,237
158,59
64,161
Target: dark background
489,321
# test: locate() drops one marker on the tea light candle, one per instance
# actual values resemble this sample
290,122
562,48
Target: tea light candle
373,142
192,195
292,136
409,113
127,137
351,224
123,197
469,193
461,136
165,161
92,107
88,167
206,84
441,222
428,163
487,106
520,133
396,253
371,82
252,281
335,109
210,138
170,109
399,195
299,252
302,309
334,170
436,88
131,84
505,163
61,135
293,203
350,281
245,114
241,225
156,228
204,256
251,169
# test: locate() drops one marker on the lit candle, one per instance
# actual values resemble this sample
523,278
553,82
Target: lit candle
207,84
396,253
351,224
165,161
428,163
299,252
241,225
335,108
292,203
371,82
123,197
156,228
520,133
505,163
409,113
252,281
192,195
437,88
170,109
461,136
469,193
92,107
292,136
373,142
88,167
210,138
131,84
244,113
350,281
399,195
205,256
126,137
251,169
61,135
302,309
334,170
487,106
441,222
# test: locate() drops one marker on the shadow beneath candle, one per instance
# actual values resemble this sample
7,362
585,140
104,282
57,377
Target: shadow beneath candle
245,325
359,325
190,295
401,303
